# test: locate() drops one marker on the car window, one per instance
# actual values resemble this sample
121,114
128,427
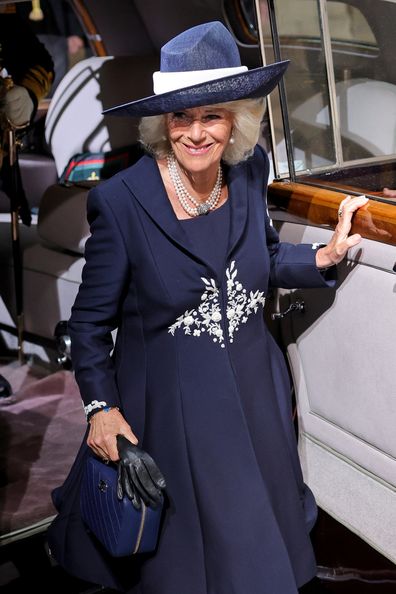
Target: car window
338,107
300,41
348,24
359,80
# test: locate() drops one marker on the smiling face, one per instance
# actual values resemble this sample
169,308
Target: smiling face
199,137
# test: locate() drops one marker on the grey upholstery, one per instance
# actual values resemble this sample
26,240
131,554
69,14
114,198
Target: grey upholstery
341,352
37,172
28,237
62,221
51,281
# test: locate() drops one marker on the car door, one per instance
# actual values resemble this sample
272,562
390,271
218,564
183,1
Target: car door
327,142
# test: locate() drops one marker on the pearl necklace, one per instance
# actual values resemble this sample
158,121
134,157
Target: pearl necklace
183,195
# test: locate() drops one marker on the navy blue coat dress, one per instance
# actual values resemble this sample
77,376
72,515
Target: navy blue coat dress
202,384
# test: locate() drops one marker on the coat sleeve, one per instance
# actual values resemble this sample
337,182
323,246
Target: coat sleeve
96,311
291,266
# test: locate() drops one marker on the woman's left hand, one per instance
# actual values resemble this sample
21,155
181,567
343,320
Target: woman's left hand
340,243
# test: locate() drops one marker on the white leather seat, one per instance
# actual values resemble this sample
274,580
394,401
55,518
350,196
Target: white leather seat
53,261
75,123
53,264
367,114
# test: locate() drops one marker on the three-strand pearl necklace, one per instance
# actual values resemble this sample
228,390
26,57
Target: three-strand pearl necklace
184,196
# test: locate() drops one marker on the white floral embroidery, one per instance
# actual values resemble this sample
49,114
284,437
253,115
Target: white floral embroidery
206,319
317,245
208,316
239,304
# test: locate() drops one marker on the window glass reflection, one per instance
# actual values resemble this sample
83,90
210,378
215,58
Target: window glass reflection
359,84
300,40
359,39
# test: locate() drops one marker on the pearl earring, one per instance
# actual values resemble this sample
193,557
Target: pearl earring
232,140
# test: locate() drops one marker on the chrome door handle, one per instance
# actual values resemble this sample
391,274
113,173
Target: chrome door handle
298,305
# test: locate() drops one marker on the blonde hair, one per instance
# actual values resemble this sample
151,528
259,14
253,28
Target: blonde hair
247,117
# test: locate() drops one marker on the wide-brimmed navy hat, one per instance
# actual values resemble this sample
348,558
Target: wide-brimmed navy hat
202,66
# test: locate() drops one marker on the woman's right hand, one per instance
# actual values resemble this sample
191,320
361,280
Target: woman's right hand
102,437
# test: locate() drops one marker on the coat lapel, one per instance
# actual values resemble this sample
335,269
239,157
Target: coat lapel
238,196
145,182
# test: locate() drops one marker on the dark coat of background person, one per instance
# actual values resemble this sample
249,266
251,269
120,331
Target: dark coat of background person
30,65
59,23
217,420
25,57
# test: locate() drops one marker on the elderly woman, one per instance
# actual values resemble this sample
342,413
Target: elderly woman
181,258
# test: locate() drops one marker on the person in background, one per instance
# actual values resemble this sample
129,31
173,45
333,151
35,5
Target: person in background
26,75
25,61
181,257
56,26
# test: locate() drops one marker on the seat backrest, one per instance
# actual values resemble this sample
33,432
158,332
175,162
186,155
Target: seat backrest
367,113
75,122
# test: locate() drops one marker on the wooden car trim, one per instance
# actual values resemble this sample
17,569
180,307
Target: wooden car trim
376,220
91,31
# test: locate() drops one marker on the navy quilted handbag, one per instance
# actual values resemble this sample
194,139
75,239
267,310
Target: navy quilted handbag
122,529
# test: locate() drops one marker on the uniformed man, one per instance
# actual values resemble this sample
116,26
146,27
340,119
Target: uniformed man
27,62
56,26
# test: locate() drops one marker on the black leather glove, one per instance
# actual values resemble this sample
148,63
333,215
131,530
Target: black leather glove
138,475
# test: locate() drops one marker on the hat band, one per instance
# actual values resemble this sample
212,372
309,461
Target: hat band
164,82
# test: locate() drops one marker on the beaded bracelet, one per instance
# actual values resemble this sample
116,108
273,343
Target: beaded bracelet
96,410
